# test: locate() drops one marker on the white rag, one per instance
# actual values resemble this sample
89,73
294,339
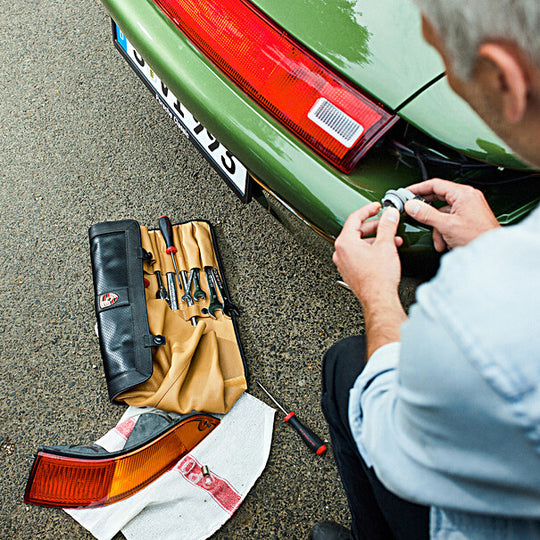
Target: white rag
182,504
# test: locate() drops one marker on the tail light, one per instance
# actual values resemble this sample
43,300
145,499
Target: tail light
319,107
61,480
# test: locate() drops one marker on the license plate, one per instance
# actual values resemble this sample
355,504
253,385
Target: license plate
228,165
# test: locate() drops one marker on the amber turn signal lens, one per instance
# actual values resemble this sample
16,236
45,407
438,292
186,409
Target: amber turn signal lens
61,480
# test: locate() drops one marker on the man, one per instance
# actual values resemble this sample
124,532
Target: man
440,434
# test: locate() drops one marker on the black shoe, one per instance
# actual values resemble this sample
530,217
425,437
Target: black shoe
328,530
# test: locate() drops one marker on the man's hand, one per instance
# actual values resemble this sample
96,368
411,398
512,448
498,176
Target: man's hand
466,216
370,266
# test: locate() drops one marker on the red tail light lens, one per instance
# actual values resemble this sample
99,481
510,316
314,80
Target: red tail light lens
70,481
323,110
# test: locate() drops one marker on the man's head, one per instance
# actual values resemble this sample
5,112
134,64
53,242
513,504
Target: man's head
491,50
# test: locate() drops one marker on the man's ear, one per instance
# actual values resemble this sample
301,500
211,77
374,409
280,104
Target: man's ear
512,81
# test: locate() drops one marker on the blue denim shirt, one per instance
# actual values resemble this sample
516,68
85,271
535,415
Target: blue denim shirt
450,416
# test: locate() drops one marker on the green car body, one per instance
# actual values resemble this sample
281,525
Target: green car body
379,48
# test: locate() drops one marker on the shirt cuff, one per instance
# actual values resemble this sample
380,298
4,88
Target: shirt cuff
383,360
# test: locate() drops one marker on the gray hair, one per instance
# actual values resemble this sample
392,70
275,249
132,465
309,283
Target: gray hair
465,24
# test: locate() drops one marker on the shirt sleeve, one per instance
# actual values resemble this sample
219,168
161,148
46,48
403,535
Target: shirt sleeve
433,430
377,376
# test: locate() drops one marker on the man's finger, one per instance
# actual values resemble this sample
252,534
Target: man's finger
438,241
369,227
356,219
424,213
398,241
432,197
388,224
435,186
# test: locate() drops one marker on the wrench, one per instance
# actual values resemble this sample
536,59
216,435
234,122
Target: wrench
162,291
215,304
186,297
198,293
228,306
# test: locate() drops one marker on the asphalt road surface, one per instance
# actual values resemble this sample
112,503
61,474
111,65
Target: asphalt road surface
83,141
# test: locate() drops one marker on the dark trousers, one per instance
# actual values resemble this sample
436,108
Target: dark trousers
376,512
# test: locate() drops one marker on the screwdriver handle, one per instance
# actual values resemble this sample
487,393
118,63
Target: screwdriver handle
313,442
166,230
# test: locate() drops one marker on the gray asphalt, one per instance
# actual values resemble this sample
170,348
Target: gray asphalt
83,142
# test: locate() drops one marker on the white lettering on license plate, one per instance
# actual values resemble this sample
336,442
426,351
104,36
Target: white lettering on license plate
228,164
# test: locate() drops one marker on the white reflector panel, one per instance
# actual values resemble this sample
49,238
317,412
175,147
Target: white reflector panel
335,122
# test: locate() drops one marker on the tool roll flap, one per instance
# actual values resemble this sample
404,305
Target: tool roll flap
200,364
124,336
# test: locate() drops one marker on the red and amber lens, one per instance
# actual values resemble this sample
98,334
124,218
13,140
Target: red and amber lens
65,481
322,109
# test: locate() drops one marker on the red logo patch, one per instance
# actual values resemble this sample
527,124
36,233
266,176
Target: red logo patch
107,300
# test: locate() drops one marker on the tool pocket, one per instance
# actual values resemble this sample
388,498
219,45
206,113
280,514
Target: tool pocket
164,351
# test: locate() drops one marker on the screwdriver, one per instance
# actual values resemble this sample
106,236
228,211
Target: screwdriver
313,442
166,230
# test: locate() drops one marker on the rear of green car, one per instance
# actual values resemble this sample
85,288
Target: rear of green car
375,49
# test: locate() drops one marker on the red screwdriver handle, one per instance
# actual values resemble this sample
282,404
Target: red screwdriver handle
166,230
313,442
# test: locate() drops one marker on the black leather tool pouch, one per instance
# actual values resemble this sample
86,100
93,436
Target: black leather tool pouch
122,321
153,353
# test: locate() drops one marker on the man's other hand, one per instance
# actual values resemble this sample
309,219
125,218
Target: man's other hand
370,266
465,217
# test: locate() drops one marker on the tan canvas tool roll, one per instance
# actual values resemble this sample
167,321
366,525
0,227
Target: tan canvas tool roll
152,353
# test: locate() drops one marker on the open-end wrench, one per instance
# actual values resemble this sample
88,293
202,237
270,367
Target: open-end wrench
228,306
198,293
162,291
215,304
186,297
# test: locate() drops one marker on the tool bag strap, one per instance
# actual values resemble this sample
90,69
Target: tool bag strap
122,320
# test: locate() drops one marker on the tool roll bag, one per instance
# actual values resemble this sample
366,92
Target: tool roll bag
152,354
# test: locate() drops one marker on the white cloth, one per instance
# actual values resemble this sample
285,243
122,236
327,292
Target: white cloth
182,504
